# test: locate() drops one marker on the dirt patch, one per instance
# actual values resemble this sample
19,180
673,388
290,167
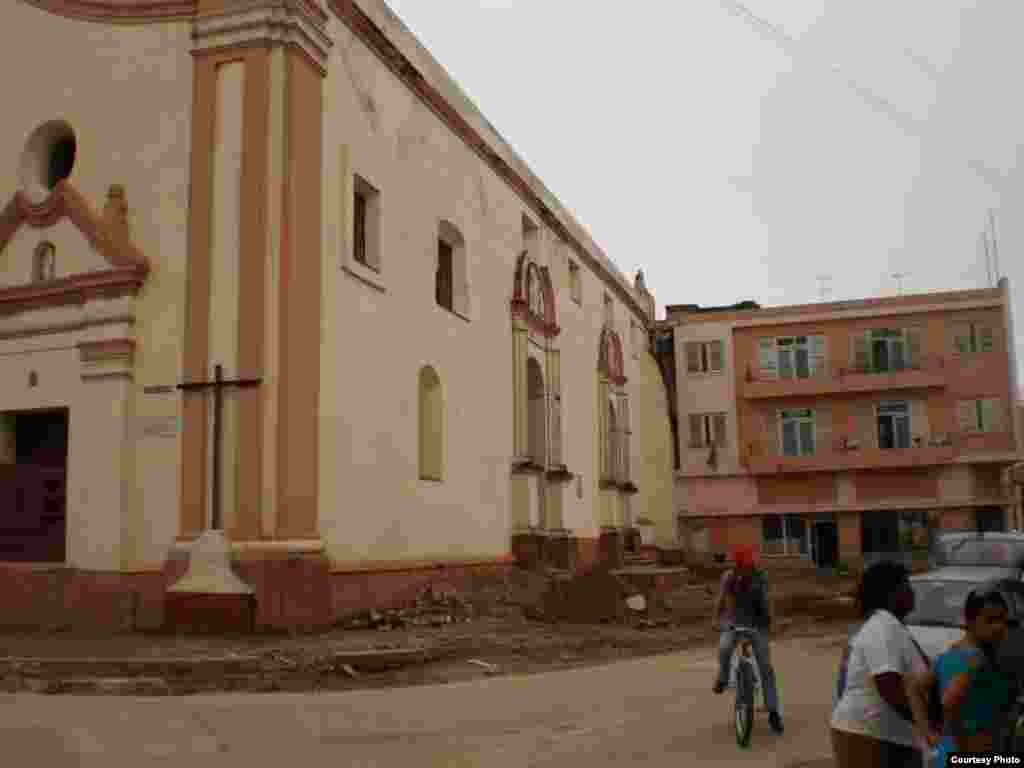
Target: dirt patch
498,628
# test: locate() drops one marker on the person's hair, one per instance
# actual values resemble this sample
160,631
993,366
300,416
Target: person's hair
982,598
877,585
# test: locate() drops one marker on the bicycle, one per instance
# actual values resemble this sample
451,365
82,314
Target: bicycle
746,678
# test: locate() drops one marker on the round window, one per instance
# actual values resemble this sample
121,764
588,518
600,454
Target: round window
48,158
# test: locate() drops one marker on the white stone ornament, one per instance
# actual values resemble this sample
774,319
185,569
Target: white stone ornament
209,569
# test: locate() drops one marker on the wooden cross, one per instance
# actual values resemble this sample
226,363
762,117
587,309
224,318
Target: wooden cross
217,385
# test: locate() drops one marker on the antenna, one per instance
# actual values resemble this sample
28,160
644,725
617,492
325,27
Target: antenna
995,247
823,289
983,238
898,277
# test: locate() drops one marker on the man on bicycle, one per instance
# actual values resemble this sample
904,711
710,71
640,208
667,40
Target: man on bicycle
743,601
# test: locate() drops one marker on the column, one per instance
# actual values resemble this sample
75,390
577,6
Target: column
520,403
255,266
98,438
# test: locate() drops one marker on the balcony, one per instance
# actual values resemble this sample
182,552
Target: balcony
836,458
927,373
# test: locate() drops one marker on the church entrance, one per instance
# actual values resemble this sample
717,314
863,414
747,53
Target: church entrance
33,521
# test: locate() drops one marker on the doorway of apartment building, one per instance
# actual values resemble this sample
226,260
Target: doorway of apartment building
990,519
825,544
880,536
33,479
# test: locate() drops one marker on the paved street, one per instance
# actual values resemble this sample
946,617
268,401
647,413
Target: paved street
648,712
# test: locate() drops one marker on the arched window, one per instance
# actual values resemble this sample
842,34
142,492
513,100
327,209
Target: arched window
431,425
537,415
44,262
612,452
535,291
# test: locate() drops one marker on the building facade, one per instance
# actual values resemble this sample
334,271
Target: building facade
447,374
840,432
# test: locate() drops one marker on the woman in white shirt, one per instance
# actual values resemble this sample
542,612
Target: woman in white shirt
872,724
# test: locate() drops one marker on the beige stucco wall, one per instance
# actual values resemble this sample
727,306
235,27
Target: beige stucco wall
707,392
380,328
126,91
654,465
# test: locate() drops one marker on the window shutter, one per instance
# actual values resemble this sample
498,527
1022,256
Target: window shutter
992,415
919,426
696,430
819,355
986,338
961,333
717,362
719,426
823,431
861,357
692,357
774,436
967,415
914,357
768,359
865,426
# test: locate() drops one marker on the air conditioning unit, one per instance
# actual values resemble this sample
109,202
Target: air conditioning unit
851,444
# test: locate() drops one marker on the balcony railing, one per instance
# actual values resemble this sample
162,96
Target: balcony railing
843,454
928,372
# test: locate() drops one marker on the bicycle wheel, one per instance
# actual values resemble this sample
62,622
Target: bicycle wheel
744,704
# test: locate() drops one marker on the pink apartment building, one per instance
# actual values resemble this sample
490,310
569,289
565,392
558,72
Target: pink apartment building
842,431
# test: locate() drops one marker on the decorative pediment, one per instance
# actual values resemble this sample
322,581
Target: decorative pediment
108,234
533,297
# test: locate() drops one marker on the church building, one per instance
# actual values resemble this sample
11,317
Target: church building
265,268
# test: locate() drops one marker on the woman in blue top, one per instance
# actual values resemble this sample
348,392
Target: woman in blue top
975,694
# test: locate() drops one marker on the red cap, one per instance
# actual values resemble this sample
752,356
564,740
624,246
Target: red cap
744,555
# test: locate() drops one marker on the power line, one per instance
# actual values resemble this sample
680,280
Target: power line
878,103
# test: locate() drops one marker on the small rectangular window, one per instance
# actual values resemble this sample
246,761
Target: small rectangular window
444,275
359,229
705,357
894,425
970,338
708,429
797,432
365,225
575,282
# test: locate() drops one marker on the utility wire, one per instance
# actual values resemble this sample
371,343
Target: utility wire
905,120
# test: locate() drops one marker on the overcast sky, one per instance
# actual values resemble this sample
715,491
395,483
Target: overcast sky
739,151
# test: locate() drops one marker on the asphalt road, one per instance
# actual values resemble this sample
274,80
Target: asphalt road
649,712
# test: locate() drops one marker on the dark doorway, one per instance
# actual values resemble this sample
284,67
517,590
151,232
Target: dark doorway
33,523
991,519
826,545
880,535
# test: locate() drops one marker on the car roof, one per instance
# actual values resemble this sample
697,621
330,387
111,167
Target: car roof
971,573
985,535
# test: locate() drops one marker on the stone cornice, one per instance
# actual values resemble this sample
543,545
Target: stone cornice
118,10
280,22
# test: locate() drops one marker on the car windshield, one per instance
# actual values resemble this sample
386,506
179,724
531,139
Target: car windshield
939,603
983,552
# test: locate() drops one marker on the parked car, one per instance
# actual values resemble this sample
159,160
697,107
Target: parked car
979,549
937,620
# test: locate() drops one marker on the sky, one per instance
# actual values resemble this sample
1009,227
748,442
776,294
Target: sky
741,151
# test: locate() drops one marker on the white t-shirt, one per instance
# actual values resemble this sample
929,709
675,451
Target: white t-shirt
882,645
